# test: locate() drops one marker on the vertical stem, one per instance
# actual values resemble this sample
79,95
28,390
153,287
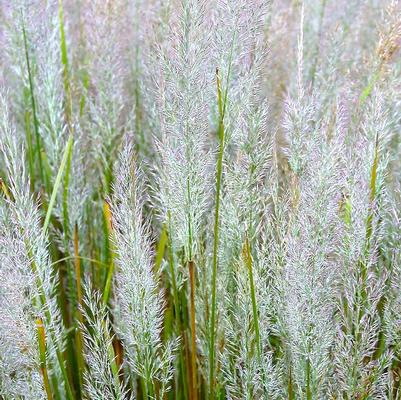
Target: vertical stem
114,358
114,354
369,222
187,366
74,354
77,261
65,193
109,230
371,83
161,247
143,388
176,305
219,170
68,119
221,104
194,388
42,354
191,266
372,195
308,376
78,337
290,386
66,156
248,258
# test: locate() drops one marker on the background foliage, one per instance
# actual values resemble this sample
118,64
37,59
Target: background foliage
200,199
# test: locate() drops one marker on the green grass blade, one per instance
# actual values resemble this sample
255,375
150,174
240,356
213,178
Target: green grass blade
221,104
66,155
108,231
42,354
248,261
219,173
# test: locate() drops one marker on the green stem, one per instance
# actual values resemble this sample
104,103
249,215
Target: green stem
194,389
222,104
42,354
369,87
248,258
57,183
114,367
160,249
308,376
176,303
108,227
78,284
219,172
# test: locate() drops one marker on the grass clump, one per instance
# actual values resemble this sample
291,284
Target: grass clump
200,200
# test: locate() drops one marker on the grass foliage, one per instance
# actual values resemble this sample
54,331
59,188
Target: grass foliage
200,199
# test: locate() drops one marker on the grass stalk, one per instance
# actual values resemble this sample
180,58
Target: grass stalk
65,195
221,106
110,271
248,260
191,267
106,294
77,263
369,87
177,309
369,221
114,368
194,389
219,173
78,336
42,355
66,156
373,191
